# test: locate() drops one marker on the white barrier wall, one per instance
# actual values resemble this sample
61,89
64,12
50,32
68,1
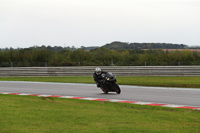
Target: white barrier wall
88,71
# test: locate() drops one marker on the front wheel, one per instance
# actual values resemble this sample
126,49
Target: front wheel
117,89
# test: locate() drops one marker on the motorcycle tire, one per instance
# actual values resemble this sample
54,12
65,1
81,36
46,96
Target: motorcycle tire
105,91
117,89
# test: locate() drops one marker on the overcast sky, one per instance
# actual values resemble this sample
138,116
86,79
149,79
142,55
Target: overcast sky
25,23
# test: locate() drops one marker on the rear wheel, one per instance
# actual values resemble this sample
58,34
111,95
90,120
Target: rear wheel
105,91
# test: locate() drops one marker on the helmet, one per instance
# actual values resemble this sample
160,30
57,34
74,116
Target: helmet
98,70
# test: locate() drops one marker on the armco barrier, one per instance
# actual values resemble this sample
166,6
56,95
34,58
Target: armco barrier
88,71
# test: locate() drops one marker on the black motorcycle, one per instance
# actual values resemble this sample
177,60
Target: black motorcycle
109,83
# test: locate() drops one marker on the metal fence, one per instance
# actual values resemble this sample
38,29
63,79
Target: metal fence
48,64
88,71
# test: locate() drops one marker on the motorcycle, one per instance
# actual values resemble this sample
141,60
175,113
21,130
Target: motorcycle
109,83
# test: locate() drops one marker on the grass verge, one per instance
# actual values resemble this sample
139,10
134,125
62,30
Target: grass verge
185,82
39,114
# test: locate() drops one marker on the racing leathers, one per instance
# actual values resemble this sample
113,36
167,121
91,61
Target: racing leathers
99,79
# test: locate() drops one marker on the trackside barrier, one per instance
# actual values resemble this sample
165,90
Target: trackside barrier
88,71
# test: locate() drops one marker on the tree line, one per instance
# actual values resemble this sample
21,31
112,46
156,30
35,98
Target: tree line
116,45
97,57
125,45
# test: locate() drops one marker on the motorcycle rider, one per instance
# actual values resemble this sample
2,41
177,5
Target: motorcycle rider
98,78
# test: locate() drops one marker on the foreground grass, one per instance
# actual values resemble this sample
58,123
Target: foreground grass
30,114
186,82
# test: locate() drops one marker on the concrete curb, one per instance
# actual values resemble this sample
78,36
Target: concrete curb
109,100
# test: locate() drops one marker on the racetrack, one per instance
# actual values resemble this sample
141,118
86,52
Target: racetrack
178,96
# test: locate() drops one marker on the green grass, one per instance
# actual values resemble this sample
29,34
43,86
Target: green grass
186,82
29,114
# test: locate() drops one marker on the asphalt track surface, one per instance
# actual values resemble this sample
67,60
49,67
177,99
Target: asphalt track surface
178,96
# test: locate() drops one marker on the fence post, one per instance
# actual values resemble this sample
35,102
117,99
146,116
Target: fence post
145,63
11,64
45,64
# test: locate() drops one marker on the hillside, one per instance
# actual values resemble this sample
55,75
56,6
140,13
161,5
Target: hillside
123,45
